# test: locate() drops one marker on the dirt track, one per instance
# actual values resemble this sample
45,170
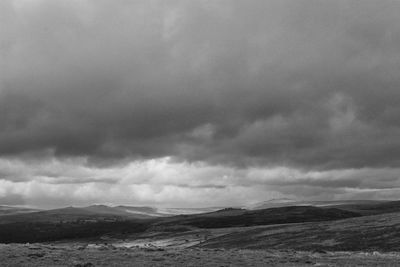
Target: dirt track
76,255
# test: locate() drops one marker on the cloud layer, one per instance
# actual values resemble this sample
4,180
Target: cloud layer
309,86
165,182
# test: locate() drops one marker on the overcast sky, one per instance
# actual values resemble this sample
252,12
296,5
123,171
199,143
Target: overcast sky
198,103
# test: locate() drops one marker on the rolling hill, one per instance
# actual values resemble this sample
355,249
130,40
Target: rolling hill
367,233
71,214
93,212
372,208
233,217
98,220
285,202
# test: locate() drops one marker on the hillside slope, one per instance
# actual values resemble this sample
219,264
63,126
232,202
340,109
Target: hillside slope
368,233
241,217
372,208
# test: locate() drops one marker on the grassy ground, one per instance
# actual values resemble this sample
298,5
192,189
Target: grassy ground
369,233
361,241
76,255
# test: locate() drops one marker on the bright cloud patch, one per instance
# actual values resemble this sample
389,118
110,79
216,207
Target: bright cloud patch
167,182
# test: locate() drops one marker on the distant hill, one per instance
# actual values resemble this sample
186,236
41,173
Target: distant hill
97,220
240,217
272,211
92,221
165,212
71,214
285,202
93,213
123,211
186,211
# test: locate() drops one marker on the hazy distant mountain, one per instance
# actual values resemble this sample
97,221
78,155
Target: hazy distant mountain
146,212
8,210
180,211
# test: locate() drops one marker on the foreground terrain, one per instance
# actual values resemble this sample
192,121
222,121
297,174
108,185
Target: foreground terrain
76,255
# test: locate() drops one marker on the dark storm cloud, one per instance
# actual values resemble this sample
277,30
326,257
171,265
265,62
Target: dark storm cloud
312,84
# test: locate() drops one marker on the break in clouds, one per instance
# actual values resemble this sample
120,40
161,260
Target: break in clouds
198,102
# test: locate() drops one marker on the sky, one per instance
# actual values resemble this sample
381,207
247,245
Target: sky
198,103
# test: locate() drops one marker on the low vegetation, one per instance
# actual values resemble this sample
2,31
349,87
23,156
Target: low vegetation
340,227
20,232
